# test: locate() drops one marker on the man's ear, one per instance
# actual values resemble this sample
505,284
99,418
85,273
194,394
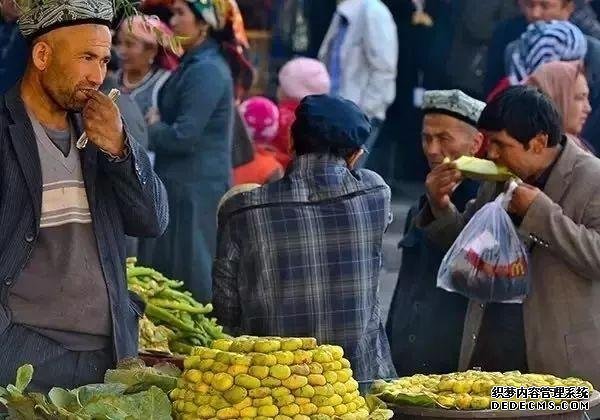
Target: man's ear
477,143
352,160
41,54
538,143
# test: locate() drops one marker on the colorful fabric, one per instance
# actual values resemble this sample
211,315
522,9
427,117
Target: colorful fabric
301,77
43,16
214,12
151,30
544,42
262,169
301,257
261,119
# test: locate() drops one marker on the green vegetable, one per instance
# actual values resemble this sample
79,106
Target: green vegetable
136,376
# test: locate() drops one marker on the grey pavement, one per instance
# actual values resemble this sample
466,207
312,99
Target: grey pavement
404,196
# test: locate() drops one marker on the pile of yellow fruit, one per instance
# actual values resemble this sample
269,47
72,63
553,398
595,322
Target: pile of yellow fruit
268,378
470,390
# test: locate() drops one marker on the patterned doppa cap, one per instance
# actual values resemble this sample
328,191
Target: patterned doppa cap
454,103
43,16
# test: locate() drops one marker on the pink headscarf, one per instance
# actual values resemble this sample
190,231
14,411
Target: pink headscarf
153,31
557,80
301,77
261,118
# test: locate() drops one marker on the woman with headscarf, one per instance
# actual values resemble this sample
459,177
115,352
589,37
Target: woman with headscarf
191,137
145,63
543,42
566,84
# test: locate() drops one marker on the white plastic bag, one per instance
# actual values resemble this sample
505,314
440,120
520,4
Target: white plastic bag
488,262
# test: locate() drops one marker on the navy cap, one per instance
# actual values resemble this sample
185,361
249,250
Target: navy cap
333,120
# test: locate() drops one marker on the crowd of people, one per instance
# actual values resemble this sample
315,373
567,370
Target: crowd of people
295,247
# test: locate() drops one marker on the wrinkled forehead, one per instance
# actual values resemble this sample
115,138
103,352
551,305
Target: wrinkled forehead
82,37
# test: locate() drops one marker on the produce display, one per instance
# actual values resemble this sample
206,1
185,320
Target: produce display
269,378
137,399
174,316
481,169
469,390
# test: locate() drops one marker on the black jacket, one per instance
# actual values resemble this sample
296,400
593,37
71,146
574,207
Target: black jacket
124,198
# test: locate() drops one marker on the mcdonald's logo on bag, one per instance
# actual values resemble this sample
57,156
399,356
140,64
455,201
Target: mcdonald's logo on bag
517,269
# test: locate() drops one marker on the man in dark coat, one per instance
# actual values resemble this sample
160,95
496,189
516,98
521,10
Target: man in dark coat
64,212
425,323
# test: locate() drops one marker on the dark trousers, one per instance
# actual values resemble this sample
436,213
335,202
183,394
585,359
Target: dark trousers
54,366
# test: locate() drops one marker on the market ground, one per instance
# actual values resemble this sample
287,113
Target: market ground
404,196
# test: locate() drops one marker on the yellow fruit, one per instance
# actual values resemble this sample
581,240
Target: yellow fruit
345,363
201,400
315,380
302,370
360,401
266,346
301,417
224,357
340,388
249,412
205,364
217,402
219,367
247,381
222,382
316,368
335,400
480,403
462,387
290,410
306,391
235,394
322,356
327,410
206,412
326,390
301,401
308,409
331,377
261,392
350,396
268,410
295,382
270,382
190,362
279,391
284,400
264,360
241,359
351,385
228,413
222,344
302,356
201,388
280,372
282,417
204,352
284,357
309,343
207,377
260,372
320,400
341,409
446,385
259,402
344,375
189,396
246,402
351,407
332,366
190,408
235,370
242,346
291,344
463,401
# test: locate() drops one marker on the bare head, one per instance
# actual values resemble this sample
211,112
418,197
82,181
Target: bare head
67,61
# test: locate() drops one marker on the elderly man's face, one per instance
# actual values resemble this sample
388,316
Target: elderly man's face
536,10
444,136
71,60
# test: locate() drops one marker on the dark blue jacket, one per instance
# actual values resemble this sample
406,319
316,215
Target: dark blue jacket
425,323
124,198
13,55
